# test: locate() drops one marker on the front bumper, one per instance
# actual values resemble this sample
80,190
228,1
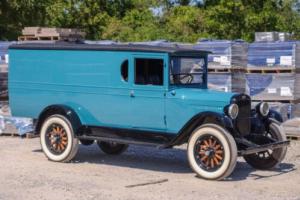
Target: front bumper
260,148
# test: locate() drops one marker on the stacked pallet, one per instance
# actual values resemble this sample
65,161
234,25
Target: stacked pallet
41,33
13,126
3,70
226,64
272,71
273,75
272,36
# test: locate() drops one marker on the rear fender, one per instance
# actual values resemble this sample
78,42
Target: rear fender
64,110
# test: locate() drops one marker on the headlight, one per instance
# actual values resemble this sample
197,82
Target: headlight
264,108
233,111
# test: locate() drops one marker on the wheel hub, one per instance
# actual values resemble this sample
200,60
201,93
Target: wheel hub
209,153
57,139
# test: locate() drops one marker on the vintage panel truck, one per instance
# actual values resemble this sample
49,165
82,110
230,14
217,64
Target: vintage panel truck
123,94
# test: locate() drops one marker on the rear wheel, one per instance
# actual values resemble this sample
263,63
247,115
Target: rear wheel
57,139
212,152
112,148
270,158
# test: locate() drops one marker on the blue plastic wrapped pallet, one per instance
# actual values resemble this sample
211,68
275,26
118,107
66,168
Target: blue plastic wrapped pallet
274,54
3,52
13,125
230,55
225,53
273,86
220,81
272,82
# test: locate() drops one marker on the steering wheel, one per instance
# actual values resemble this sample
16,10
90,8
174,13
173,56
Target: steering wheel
188,77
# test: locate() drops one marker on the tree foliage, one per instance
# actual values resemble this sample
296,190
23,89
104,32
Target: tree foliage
139,20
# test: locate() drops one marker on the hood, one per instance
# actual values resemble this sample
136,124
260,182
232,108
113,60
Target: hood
204,99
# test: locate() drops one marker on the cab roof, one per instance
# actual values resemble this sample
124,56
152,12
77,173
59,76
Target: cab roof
173,49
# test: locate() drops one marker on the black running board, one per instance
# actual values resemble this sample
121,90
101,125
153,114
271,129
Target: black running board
121,141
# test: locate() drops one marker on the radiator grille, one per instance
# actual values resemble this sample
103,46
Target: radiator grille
243,120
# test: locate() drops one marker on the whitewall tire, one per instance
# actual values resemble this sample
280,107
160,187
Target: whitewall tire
212,152
57,139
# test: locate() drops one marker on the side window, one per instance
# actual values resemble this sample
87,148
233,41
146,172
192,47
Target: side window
149,71
124,70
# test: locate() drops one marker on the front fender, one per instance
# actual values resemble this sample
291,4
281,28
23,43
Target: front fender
274,115
260,124
198,120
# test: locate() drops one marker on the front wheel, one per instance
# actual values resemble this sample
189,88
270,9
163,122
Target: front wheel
212,152
270,158
57,139
112,148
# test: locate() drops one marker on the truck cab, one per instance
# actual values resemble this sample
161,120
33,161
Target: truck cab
122,94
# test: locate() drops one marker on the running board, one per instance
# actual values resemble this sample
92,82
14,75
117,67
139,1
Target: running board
265,147
121,141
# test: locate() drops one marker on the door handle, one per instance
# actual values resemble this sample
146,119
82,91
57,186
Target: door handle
131,93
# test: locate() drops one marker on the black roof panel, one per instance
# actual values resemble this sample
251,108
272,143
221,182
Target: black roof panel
172,49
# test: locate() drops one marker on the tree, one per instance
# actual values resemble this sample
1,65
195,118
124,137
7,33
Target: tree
289,21
16,14
184,24
88,15
225,20
137,25
139,20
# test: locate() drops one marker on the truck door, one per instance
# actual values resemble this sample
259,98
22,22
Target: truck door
148,92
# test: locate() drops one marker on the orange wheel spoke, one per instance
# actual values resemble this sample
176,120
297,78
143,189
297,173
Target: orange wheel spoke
202,152
207,163
219,152
214,143
210,142
216,161
219,157
212,164
217,147
206,143
204,158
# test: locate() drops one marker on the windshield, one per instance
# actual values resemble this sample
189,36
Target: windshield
187,71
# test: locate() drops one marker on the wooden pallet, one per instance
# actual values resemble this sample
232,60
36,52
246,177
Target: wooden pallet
27,135
225,70
33,38
9,135
293,137
275,100
218,70
270,70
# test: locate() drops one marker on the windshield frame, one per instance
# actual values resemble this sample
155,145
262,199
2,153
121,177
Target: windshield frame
202,85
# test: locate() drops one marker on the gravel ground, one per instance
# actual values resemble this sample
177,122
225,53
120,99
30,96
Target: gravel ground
25,173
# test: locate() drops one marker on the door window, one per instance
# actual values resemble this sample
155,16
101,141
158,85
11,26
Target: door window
149,71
